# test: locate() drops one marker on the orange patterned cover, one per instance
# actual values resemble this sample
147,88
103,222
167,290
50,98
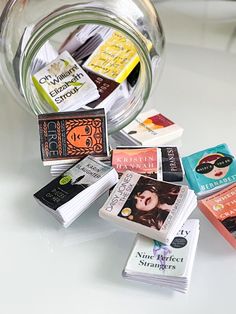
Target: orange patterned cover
72,135
220,209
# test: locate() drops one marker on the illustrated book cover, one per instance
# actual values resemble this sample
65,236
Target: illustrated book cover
149,128
69,136
210,170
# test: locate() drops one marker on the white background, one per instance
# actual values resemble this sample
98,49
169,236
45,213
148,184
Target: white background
46,269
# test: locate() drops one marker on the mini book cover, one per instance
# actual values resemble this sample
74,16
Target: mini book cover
144,161
220,209
152,127
76,179
105,88
69,136
115,58
64,84
210,169
171,164
161,163
145,205
152,258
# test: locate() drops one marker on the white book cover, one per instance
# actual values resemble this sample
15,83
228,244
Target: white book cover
153,208
64,84
152,128
150,257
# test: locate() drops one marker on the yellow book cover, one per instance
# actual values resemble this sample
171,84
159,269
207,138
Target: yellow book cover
115,58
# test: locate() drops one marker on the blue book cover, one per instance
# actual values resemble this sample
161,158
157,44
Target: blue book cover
210,169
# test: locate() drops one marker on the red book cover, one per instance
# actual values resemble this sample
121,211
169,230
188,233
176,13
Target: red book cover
220,209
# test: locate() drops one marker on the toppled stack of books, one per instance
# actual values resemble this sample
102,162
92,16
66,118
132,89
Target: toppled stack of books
77,144
94,69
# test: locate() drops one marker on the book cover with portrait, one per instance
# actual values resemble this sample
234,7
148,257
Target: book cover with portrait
153,208
70,136
220,209
210,169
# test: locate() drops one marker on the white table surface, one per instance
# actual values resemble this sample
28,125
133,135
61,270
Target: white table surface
46,269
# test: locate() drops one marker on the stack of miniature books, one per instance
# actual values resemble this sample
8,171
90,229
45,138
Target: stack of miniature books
152,208
95,69
67,196
151,261
212,175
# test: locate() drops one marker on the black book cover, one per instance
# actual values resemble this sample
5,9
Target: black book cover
171,164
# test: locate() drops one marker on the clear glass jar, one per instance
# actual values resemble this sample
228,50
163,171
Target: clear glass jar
51,20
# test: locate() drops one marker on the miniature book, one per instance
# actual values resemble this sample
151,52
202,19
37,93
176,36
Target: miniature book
58,169
152,208
149,129
64,84
169,266
66,137
115,58
210,170
158,163
220,209
67,196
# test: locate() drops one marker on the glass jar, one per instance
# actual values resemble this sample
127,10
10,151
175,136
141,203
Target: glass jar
52,20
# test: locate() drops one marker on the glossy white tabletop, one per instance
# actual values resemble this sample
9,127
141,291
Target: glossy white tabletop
47,269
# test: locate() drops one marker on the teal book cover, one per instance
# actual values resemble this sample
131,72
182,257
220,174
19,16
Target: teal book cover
210,169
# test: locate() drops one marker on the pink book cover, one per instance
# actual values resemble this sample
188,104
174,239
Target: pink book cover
220,209
143,161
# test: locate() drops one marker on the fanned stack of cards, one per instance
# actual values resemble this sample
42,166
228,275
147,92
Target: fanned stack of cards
152,208
210,170
64,84
162,163
69,195
170,266
149,128
66,137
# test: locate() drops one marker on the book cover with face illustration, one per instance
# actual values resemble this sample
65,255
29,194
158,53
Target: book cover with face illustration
149,207
68,137
210,169
220,209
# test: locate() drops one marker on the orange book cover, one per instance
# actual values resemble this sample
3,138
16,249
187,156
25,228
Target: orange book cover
220,209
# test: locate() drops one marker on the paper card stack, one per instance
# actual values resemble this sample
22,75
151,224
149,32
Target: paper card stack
152,208
170,266
64,84
149,128
220,209
210,170
162,163
69,195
